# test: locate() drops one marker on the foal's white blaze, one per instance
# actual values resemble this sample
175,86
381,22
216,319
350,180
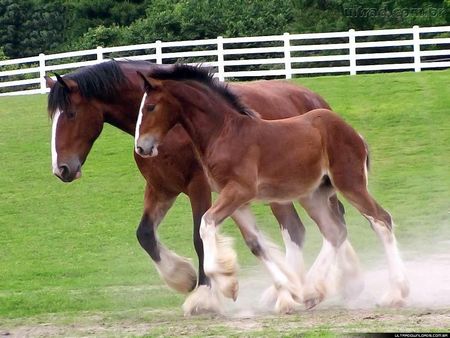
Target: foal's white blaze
138,122
53,144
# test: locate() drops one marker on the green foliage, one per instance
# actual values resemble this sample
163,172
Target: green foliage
28,27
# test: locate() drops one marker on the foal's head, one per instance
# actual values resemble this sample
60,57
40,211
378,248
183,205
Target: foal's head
158,113
76,104
171,93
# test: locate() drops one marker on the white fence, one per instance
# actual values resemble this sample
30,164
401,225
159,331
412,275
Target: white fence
284,56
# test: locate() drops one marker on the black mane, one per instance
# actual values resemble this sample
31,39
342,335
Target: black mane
203,75
101,81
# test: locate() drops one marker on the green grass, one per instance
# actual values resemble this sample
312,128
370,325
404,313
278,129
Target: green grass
70,249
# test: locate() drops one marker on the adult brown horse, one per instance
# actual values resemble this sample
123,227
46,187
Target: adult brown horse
111,92
306,158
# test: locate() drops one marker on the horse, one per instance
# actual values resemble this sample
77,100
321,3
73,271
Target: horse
305,158
110,92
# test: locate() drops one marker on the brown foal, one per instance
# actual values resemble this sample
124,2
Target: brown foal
306,158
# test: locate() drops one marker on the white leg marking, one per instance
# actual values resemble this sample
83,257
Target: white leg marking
138,122
208,236
53,143
177,271
220,260
204,299
294,255
399,283
320,280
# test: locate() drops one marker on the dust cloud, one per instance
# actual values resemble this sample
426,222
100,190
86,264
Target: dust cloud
429,278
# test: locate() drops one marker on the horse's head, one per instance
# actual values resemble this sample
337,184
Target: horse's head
158,113
77,122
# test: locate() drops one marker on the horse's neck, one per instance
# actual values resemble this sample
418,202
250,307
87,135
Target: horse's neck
204,122
123,114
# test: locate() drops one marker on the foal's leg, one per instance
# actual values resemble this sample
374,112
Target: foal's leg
349,176
177,272
293,234
334,232
204,298
287,283
382,224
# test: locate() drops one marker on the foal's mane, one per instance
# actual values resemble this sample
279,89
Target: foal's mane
101,81
183,72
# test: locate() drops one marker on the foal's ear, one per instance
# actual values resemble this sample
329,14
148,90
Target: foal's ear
49,82
149,83
70,85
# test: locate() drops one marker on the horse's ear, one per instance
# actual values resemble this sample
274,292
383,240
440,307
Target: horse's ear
147,84
70,85
49,82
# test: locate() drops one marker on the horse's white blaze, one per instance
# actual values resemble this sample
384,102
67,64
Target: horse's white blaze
138,122
55,166
294,255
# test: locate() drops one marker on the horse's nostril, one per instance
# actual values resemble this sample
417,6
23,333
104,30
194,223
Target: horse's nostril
64,170
140,150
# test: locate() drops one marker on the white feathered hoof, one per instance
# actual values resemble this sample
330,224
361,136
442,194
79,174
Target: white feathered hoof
177,272
222,269
313,296
269,297
396,296
285,303
203,300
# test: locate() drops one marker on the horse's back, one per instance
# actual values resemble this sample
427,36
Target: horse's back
278,99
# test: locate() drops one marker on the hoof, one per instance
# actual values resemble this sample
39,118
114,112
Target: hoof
269,297
312,299
203,300
227,284
177,272
285,303
396,297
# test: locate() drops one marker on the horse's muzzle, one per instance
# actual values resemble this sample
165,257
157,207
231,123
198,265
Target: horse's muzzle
147,147
67,172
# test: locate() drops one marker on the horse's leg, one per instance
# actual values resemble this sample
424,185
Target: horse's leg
320,280
349,175
351,281
204,299
177,272
287,282
293,234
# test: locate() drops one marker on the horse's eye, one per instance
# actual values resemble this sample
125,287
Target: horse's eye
150,107
70,114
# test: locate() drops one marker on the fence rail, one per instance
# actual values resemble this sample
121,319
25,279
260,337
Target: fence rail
286,55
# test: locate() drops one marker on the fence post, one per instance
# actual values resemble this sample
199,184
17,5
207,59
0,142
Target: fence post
352,51
158,51
287,55
42,73
99,53
416,42
220,59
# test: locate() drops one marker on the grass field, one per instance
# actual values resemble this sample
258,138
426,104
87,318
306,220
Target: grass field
70,263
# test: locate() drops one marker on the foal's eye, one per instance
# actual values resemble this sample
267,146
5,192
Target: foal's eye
150,107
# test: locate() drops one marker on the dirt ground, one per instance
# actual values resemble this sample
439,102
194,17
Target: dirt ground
428,309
